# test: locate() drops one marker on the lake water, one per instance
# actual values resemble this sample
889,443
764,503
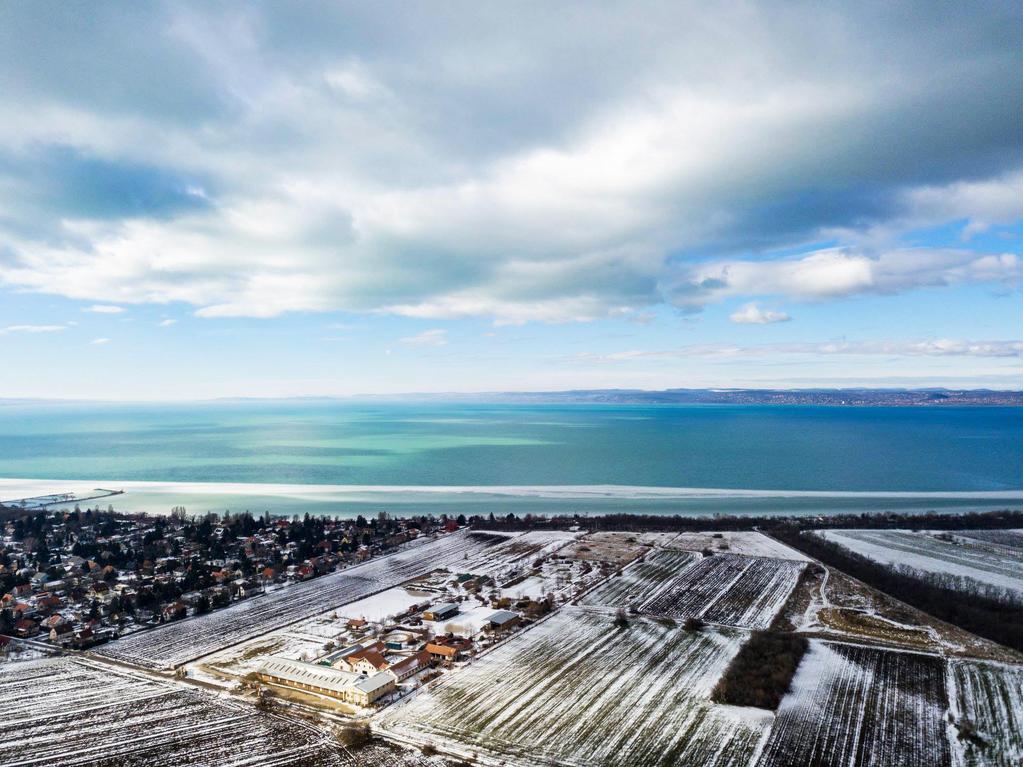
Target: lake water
344,458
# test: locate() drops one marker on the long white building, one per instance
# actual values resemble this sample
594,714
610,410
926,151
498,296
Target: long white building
360,689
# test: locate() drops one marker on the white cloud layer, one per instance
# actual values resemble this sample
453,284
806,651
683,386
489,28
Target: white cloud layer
32,329
514,163
435,337
843,272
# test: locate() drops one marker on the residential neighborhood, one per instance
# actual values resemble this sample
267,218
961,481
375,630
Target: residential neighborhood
77,579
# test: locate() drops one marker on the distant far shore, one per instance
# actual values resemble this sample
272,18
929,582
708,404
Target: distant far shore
848,397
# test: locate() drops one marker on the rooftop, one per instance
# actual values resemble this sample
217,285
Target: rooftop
301,672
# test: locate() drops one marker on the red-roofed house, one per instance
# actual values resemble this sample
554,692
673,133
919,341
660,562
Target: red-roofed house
410,666
25,627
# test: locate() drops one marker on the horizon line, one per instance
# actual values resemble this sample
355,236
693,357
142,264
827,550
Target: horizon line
525,392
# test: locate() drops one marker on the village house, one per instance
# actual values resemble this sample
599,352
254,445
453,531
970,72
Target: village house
242,588
26,627
367,661
61,631
85,638
47,603
173,611
99,590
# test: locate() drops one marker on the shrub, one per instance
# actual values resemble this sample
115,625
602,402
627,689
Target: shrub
693,624
354,735
761,672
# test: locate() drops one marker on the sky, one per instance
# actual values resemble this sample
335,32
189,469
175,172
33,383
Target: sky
203,200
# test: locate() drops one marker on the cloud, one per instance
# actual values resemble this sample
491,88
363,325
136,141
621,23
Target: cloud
257,162
99,341
983,203
753,314
32,329
167,323
844,272
435,337
104,309
926,348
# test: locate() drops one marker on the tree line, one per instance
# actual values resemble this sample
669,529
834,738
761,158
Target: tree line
996,619
931,520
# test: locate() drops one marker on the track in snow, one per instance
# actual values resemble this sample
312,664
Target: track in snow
580,692
61,712
728,589
990,696
863,706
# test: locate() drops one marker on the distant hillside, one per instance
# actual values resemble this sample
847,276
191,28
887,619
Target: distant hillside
838,397
847,397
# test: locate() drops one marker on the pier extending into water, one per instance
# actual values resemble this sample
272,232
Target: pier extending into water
55,499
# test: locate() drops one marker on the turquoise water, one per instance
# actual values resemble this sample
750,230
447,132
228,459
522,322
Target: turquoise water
831,452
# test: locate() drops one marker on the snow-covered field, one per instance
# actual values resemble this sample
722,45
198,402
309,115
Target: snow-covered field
518,553
533,587
990,697
751,544
863,706
618,548
386,604
65,712
176,643
987,563
382,754
728,589
578,691
1011,538
640,580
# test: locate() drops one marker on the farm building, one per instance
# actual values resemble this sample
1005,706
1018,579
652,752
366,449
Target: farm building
372,658
503,619
441,612
346,686
335,657
448,649
366,660
410,666
399,640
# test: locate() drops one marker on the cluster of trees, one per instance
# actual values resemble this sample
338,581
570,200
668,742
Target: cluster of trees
996,619
761,673
989,520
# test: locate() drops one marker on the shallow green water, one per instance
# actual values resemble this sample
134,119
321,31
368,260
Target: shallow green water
832,451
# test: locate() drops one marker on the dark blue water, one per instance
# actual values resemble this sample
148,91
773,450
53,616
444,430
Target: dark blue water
778,448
